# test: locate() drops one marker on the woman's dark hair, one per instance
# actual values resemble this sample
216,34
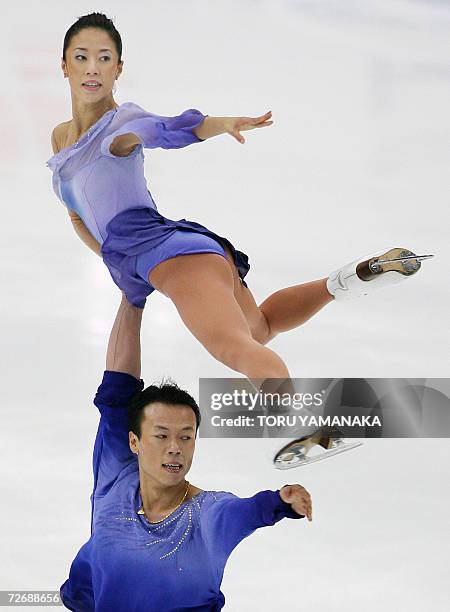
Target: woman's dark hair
168,393
93,20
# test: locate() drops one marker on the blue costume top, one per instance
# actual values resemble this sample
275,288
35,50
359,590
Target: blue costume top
110,195
133,565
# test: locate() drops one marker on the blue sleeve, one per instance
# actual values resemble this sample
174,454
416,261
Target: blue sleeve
76,592
111,449
231,519
158,131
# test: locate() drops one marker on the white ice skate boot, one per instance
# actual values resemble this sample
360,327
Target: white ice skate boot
373,272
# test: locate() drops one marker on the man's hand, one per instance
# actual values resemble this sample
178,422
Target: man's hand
299,498
235,125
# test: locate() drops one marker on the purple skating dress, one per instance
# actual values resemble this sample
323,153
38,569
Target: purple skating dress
111,197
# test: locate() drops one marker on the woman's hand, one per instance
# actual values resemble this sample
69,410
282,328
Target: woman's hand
235,125
299,498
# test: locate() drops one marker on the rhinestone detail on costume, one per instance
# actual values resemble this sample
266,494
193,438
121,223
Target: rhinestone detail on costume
173,537
87,136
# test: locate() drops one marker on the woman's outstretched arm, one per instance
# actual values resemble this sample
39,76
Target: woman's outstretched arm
153,131
213,126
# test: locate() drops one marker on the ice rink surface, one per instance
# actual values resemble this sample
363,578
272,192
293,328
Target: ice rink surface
356,160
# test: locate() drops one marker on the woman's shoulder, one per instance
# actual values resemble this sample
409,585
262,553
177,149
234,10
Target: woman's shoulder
63,143
59,135
129,111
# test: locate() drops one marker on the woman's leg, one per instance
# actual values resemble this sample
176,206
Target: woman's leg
202,287
290,307
283,310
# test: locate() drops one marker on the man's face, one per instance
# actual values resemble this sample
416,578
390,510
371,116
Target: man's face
167,439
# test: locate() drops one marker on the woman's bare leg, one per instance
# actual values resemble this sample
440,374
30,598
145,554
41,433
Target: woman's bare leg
202,287
282,311
285,309
290,307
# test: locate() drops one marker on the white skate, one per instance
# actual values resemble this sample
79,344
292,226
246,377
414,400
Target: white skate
310,444
306,450
373,272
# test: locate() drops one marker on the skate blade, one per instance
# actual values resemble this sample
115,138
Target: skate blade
296,457
399,260
418,257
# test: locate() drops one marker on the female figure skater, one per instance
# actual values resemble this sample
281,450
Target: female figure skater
98,174
158,543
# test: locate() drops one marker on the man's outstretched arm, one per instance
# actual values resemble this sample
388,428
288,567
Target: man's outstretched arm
124,346
120,383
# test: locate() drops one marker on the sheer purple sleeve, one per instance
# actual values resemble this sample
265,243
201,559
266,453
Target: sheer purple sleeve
156,131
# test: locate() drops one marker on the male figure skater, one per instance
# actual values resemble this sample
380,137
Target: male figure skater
158,543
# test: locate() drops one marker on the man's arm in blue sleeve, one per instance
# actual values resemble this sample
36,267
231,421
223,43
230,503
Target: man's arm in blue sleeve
121,381
231,519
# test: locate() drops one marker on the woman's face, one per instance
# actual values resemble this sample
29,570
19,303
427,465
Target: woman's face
91,57
167,438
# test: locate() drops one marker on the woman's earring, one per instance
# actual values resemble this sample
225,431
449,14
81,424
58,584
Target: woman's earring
114,89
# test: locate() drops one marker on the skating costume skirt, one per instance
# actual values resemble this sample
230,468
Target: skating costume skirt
140,238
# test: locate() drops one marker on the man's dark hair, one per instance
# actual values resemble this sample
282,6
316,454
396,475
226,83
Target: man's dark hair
94,20
168,393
